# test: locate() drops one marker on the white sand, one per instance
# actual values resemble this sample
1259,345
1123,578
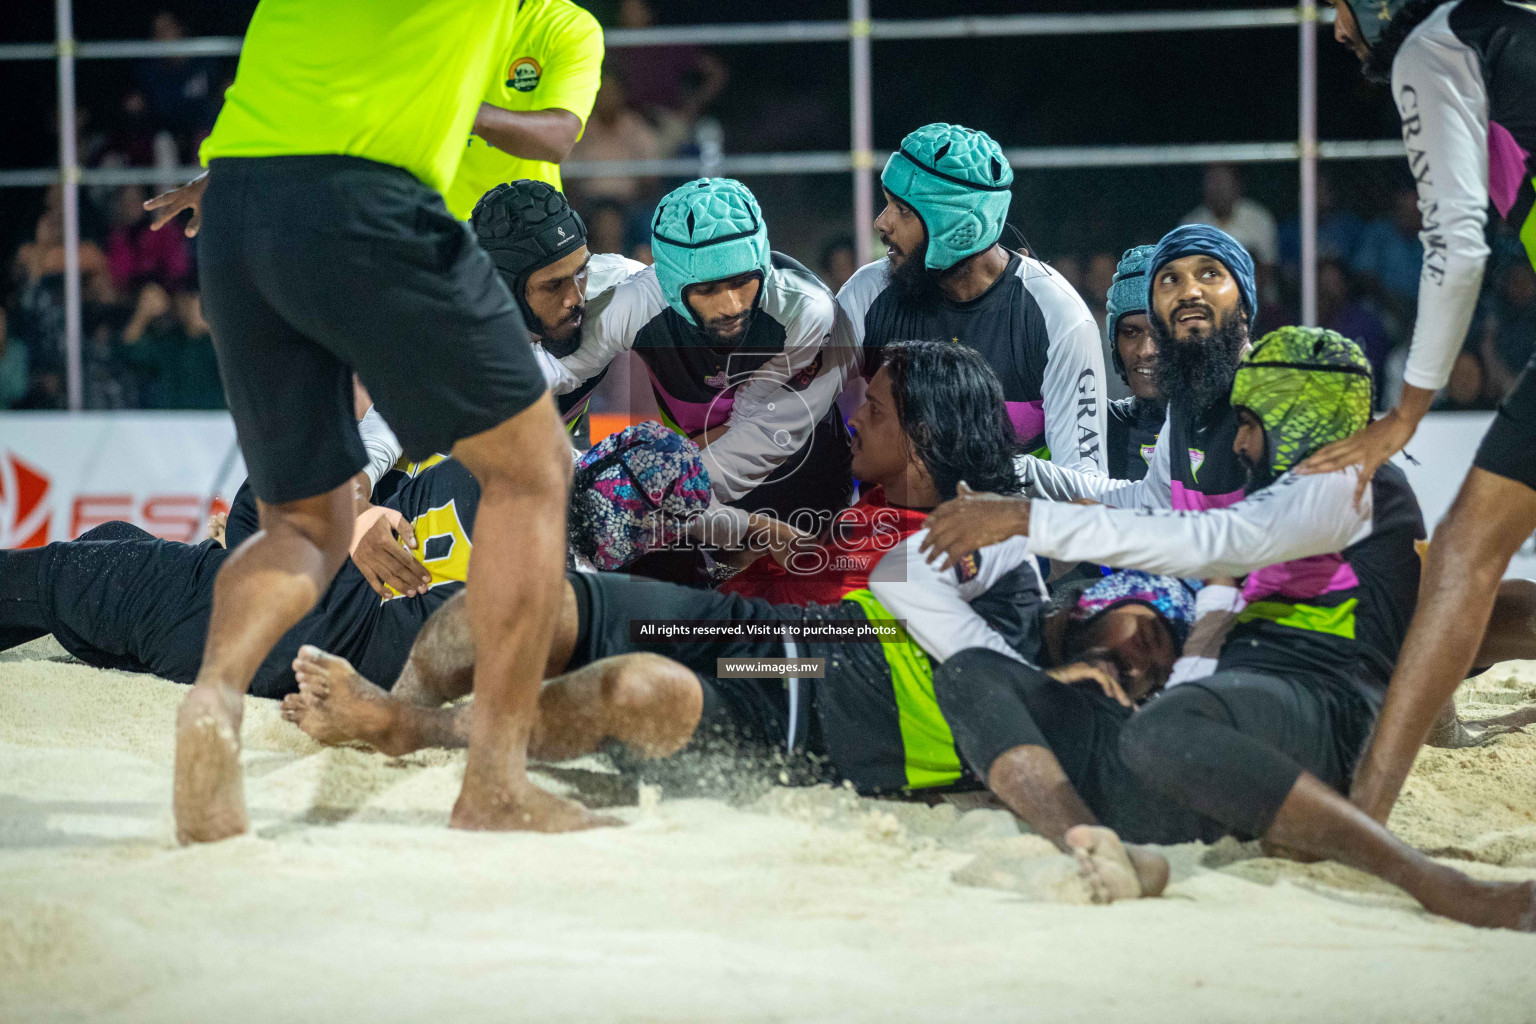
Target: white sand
352,902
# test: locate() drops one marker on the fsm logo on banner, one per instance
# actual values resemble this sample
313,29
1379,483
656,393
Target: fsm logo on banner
25,515
63,473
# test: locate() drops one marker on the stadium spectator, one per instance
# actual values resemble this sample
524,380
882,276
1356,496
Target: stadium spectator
130,141
39,303
838,262
168,344
1339,309
136,254
1097,278
1338,230
1227,208
605,227
182,93
1390,255
615,132
14,379
671,84
1509,334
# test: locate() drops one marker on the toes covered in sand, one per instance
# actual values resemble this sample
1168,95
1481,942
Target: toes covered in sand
1112,870
522,808
209,788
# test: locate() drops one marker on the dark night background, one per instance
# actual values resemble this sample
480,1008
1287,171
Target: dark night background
1063,90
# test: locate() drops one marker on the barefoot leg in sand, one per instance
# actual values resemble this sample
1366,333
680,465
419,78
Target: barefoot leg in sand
647,702
1115,870
1319,822
1032,783
441,665
263,589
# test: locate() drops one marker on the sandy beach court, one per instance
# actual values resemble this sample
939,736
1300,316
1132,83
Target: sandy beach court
352,901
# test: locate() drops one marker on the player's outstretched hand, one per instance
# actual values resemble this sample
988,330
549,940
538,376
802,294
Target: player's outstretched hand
168,204
1368,449
1083,672
383,559
973,519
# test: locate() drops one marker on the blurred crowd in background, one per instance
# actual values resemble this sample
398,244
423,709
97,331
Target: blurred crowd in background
146,345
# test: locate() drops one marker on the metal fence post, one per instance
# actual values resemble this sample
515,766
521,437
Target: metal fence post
1308,146
863,144
69,165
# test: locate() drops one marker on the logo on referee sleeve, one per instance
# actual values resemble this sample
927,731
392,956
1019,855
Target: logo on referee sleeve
524,74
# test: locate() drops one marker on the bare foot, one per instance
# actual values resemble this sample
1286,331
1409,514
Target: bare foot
336,705
1488,904
1114,870
209,793
523,808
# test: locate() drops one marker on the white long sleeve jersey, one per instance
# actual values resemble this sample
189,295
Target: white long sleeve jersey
1464,82
1030,327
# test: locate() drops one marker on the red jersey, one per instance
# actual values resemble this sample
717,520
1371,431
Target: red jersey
839,563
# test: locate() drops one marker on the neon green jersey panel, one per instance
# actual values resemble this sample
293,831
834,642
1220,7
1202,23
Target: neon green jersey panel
394,81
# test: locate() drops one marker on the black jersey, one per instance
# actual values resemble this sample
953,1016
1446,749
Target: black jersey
1342,616
439,498
376,635
1032,329
1134,424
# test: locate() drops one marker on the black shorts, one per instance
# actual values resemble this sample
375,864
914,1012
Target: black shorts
313,267
1509,448
993,704
752,711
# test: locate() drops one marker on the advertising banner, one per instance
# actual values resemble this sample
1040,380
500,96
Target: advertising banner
61,473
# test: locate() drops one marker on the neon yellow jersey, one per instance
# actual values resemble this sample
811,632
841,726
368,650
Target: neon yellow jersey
553,59
396,81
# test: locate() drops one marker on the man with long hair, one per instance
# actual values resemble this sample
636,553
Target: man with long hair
934,415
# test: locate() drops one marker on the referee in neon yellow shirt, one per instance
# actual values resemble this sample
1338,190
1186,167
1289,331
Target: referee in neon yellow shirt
540,95
325,248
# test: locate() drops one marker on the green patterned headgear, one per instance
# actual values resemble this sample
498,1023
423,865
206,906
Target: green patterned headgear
707,230
1309,387
960,184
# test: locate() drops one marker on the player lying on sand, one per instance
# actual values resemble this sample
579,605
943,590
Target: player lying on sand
1264,747
121,598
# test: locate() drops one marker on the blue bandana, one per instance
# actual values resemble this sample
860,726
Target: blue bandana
1166,595
1204,240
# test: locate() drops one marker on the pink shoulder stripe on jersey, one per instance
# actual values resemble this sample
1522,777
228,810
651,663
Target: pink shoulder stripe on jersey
1507,161
1301,579
1028,419
694,417
1187,499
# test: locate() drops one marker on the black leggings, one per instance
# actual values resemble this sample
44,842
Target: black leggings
1202,760
120,598
1232,746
